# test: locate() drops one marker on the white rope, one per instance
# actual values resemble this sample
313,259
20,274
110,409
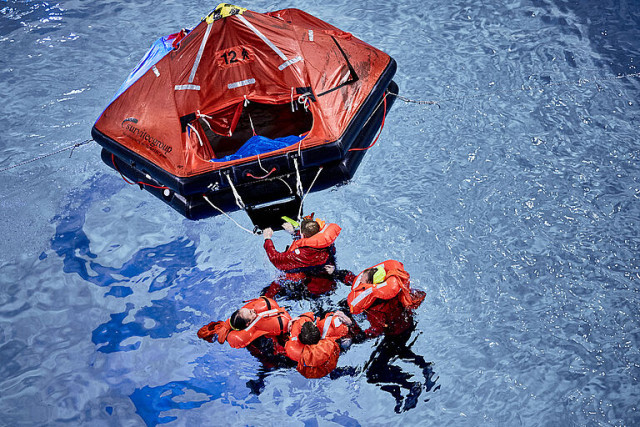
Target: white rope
227,215
239,201
204,118
260,164
308,191
251,122
197,134
299,189
303,99
293,105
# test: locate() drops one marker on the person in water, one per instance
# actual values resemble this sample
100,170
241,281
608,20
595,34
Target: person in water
315,342
384,295
259,318
307,260
262,327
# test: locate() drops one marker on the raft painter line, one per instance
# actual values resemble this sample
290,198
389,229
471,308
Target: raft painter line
71,147
523,88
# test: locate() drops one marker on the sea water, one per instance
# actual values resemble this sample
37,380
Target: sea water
513,202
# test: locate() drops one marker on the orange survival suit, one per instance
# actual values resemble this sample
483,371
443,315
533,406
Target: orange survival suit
388,302
304,260
317,360
272,322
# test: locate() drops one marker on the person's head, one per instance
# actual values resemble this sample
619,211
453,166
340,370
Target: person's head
373,275
240,319
367,275
309,227
309,334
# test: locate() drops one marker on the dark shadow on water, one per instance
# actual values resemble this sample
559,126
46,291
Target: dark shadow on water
161,318
613,29
383,372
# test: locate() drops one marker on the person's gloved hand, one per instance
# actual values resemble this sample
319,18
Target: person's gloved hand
288,228
267,233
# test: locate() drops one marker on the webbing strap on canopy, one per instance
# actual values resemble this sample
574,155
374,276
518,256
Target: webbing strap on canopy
196,63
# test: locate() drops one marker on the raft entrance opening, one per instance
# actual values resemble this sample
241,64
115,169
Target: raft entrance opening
266,120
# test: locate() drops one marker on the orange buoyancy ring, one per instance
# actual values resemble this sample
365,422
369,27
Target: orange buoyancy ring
272,321
318,360
323,239
331,327
396,281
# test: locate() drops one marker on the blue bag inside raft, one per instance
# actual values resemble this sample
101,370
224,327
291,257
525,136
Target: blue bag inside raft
259,145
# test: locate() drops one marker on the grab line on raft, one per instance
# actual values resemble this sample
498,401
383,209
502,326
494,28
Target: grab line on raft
71,147
384,116
140,183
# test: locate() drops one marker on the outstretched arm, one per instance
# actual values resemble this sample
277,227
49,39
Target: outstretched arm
345,276
300,258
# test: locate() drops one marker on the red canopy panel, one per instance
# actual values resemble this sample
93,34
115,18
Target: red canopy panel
223,66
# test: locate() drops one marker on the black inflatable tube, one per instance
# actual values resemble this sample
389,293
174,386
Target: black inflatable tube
195,207
310,157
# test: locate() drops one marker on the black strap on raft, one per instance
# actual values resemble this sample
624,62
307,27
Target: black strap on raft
352,72
185,120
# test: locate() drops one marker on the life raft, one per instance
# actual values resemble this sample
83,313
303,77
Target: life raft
247,111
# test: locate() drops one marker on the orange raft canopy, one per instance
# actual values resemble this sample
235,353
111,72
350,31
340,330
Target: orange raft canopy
247,110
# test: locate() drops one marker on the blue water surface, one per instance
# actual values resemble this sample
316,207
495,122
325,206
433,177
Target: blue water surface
513,202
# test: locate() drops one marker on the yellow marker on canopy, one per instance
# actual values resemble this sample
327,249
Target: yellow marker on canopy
224,10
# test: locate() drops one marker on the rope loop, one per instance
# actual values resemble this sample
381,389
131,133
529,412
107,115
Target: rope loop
250,175
304,100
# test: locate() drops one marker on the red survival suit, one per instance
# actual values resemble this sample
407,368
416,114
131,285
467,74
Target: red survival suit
388,302
306,256
272,322
318,360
